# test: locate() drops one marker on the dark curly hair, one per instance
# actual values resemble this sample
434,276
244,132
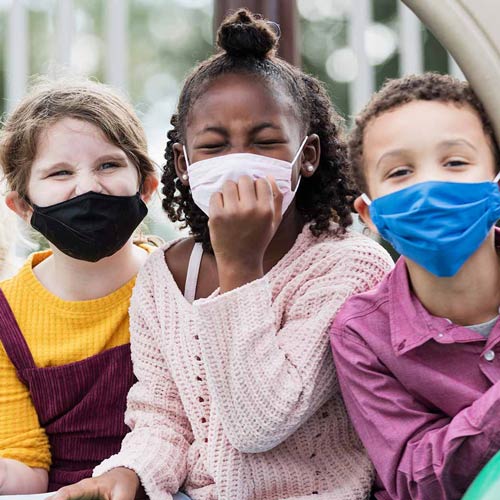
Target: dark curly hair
247,45
394,93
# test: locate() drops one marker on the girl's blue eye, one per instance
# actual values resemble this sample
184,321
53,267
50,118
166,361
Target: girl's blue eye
60,173
108,165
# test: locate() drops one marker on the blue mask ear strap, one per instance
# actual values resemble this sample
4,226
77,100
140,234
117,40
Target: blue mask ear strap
365,198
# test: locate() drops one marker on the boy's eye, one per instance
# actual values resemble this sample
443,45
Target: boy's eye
399,172
455,163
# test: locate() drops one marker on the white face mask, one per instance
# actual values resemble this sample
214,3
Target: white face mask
207,177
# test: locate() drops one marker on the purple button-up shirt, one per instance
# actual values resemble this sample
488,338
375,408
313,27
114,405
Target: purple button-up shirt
422,392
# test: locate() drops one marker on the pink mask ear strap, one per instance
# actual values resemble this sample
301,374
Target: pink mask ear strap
365,198
297,185
300,150
185,155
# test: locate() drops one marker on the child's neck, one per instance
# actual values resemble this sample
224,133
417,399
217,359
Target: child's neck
75,280
470,297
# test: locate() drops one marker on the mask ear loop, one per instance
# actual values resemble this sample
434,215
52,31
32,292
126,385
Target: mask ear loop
295,159
27,200
299,150
365,198
185,155
497,178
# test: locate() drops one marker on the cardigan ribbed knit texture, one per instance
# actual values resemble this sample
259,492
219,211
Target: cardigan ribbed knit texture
237,397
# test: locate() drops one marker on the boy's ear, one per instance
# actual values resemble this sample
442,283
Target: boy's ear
19,205
180,163
149,186
364,212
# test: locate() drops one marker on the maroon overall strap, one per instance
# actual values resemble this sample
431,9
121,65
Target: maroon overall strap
13,340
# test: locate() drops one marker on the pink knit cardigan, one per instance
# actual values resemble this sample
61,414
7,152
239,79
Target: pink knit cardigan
237,397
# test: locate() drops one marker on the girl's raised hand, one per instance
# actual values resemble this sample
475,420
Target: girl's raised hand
243,220
117,484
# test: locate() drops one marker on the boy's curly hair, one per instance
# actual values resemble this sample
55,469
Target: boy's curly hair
394,93
248,46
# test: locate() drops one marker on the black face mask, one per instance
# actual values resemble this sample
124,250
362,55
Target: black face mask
90,226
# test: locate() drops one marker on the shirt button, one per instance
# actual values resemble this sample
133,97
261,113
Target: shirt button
440,335
489,355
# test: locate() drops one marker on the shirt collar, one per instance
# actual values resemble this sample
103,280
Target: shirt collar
411,324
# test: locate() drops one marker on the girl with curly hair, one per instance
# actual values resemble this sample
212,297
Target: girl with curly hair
237,396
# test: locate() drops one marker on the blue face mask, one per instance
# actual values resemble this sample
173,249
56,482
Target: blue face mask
438,225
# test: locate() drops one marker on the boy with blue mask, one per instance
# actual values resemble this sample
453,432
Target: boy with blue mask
418,357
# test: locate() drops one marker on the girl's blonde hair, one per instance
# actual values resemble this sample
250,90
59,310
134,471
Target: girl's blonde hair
51,100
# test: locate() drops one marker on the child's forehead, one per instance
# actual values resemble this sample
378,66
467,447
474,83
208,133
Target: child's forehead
419,118
241,81
73,135
241,94
68,128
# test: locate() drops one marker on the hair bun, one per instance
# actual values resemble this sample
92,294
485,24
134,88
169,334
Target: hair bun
244,35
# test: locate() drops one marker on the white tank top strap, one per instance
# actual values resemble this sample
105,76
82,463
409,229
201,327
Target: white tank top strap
193,272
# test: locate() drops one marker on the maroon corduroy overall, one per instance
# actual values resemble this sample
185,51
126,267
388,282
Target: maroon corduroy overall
81,405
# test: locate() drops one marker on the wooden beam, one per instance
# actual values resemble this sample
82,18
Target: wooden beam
283,12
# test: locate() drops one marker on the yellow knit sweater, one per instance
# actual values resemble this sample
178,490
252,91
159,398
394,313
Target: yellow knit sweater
57,332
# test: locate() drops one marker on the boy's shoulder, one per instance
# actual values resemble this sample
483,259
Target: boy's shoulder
380,318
